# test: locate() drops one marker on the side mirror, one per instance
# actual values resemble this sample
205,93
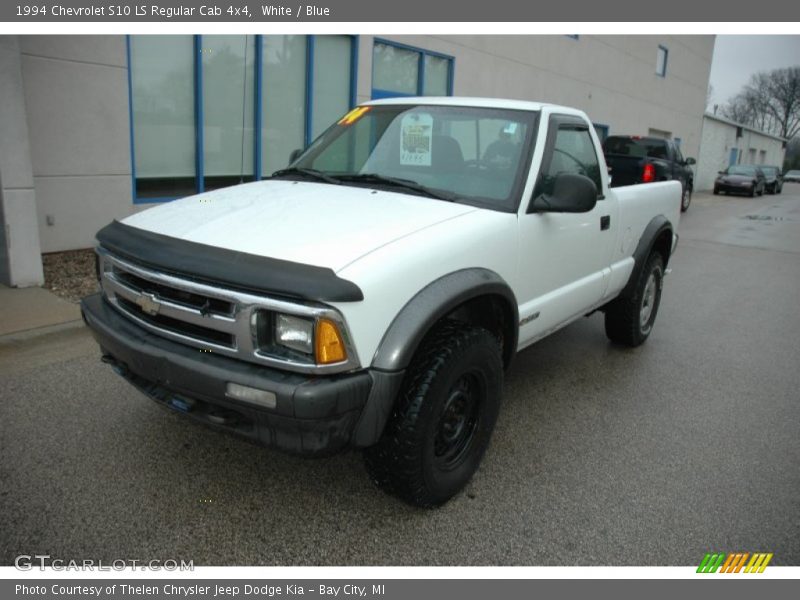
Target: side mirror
691,161
572,193
295,154
721,173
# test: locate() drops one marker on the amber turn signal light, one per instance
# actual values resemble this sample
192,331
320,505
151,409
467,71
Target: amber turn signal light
328,343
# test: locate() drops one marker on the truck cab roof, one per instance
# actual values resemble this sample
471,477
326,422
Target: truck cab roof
476,102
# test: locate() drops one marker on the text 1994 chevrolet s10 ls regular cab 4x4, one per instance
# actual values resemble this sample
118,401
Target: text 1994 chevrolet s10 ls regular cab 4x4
372,294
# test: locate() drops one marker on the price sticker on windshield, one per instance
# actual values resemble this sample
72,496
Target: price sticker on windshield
416,140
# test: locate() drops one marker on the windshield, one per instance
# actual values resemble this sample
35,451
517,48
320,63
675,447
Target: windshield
465,154
748,171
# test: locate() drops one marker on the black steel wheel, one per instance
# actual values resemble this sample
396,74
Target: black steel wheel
443,418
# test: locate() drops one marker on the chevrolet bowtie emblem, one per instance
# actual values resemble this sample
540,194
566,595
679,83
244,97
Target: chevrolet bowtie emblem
148,303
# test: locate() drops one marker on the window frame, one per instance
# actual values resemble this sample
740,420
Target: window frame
379,93
555,122
258,119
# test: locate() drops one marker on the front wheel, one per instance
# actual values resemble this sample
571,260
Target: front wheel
443,419
629,320
686,199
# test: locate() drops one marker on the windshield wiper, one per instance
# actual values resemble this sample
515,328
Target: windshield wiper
313,173
396,182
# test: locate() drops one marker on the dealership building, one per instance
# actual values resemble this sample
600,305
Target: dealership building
95,128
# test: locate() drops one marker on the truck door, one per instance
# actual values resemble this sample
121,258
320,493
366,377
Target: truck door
564,257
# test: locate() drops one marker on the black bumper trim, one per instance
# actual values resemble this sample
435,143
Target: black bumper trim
219,266
313,415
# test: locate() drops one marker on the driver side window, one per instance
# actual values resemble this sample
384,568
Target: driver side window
573,152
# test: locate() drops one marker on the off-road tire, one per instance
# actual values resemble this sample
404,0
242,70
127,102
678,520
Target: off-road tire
627,323
426,454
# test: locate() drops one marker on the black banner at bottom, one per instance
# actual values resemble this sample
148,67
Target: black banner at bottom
393,589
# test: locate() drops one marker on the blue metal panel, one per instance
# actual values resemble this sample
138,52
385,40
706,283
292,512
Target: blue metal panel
309,87
130,119
421,75
450,75
353,70
258,108
378,94
157,199
198,113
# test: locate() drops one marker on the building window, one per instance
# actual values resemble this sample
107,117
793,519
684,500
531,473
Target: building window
400,70
162,75
283,102
228,68
331,93
213,111
661,61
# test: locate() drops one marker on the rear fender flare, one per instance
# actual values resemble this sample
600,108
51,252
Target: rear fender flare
656,228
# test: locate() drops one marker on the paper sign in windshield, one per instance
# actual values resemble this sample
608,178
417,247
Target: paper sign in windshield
416,140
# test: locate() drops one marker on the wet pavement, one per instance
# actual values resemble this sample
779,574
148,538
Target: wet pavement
601,456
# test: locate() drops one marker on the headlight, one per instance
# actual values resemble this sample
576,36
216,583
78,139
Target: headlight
295,333
305,339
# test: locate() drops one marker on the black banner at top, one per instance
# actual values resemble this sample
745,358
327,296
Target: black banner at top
458,11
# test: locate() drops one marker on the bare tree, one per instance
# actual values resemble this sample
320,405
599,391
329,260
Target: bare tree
769,102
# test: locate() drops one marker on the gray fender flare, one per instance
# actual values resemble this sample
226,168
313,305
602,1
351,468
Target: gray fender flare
655,228
408,329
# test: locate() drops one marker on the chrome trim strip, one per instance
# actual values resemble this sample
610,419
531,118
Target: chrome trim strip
239,326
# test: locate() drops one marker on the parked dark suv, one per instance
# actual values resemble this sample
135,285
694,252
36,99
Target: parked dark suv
741,179
635,159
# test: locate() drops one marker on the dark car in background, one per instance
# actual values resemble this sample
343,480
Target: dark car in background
635,159
774,179
741,179
793,176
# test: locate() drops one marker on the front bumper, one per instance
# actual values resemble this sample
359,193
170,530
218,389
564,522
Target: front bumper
312,415
732,188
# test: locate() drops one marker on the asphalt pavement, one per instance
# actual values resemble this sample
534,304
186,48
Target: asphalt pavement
601,455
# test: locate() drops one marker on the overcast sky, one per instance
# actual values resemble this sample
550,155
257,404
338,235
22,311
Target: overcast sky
737,57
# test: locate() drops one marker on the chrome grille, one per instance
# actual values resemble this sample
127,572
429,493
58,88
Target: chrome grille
209,318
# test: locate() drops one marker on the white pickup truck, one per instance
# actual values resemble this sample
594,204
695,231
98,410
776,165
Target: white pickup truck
371,294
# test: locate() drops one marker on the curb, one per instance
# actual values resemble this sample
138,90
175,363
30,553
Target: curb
27,334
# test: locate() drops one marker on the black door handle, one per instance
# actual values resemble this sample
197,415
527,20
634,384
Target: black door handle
605,222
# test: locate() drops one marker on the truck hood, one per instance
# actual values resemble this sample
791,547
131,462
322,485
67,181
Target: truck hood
311,223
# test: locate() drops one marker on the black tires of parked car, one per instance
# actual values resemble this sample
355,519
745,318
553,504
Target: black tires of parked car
629,320
686,199
443,418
